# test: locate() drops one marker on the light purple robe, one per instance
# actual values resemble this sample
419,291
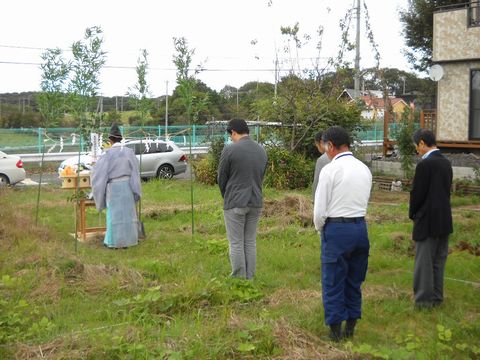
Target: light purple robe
118,161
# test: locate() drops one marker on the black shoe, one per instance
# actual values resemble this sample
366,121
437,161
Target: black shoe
335,332
350,328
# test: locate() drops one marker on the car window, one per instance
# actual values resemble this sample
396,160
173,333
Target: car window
141,148
134,148
160,147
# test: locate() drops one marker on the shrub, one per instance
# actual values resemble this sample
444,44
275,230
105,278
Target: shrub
288,170
206,169
285,169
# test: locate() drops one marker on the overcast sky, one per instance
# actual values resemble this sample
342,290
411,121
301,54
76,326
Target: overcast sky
236,41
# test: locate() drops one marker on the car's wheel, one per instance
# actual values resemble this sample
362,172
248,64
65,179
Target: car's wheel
4,180
165,171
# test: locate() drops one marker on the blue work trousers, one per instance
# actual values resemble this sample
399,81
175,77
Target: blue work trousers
345,249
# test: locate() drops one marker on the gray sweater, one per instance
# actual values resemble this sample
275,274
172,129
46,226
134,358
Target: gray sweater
240,174
321,162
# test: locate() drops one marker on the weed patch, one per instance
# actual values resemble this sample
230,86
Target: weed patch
291,208
299,344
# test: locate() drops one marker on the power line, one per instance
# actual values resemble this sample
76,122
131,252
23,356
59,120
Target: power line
24,47
213,57
161,69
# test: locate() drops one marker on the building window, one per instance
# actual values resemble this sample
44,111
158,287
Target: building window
475,105
474,14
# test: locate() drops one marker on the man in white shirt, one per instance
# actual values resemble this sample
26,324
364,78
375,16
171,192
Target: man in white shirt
340,207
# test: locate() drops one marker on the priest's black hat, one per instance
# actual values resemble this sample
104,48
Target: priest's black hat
115,132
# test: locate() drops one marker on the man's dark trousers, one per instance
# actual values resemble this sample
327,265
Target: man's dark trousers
430,258
345,249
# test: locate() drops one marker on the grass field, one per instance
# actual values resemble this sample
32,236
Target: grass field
10,139
171,297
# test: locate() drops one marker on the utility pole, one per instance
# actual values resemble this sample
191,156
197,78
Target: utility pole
276,74
237,102
166,110
357,53
116,103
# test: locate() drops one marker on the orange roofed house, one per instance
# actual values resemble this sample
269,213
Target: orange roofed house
375,107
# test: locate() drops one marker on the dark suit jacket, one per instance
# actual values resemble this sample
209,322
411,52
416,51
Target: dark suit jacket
240,174
430,207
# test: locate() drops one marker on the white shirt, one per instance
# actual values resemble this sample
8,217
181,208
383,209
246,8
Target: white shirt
343,189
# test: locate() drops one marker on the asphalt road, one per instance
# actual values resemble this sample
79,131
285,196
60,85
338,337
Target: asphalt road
52,178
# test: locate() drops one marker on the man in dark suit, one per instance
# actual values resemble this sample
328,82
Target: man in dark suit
431,213
240,177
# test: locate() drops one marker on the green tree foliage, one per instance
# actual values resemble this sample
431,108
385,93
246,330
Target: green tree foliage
177,110
113,116
397,81
304,109
193,105
140,93
301,102
405,144
88,59
417,22
51,101
13,118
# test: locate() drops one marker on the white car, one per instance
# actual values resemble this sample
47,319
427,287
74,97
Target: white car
159,159
11,169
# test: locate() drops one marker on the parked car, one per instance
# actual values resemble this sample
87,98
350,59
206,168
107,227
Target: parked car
11,169
159,158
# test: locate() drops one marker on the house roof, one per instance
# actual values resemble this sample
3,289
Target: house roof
352,94
379,103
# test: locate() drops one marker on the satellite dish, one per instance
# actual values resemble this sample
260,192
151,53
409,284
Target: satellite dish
436,72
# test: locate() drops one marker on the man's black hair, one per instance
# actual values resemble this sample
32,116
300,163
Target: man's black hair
318,137
426,135
337,135
238,125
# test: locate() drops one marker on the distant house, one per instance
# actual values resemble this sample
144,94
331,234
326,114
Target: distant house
351,94
456,48
374,103
375,107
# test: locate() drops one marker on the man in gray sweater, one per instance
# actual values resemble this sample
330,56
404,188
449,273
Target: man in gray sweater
240,177
321,161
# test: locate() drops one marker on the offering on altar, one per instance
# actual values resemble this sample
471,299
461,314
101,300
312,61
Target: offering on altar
73,180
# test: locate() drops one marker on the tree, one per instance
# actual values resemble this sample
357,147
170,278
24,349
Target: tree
397,82
187,82
186,86
88,59
139,93
300,104
417,22
304,110
51,101
405,142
